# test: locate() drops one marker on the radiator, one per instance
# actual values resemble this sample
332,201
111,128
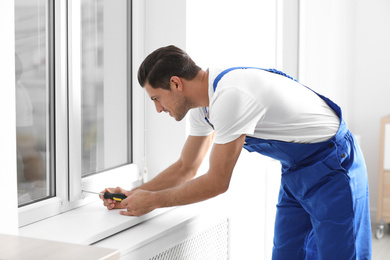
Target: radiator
209,244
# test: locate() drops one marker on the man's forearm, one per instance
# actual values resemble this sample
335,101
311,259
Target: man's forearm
170,177
185,167
196,190
214,182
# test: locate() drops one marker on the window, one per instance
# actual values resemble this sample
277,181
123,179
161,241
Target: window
34,92
105,110
74,101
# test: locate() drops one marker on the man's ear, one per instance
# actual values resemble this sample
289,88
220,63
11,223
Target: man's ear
176,83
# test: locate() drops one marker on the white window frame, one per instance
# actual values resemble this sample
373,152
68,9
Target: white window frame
69,184
8,185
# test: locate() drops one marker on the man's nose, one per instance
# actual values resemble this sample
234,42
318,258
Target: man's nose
159,107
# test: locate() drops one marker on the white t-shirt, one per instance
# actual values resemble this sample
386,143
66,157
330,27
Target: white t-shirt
264,105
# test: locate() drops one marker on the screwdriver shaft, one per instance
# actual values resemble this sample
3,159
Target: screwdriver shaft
99,193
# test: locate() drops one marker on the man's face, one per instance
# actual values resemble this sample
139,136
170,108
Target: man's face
169,101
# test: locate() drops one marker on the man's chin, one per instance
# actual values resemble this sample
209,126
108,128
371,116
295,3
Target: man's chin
179,116
178,119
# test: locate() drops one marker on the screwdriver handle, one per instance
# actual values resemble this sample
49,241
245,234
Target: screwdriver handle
114,196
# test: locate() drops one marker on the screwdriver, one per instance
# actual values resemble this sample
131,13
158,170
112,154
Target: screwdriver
109,195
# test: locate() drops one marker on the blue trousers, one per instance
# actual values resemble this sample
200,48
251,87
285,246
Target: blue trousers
323,205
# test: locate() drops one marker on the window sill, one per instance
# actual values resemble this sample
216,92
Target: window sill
154,236
84,225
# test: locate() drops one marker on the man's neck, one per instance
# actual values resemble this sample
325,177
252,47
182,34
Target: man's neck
198,89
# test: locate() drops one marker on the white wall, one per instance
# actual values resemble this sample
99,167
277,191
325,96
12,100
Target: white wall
370,99
232,33
326,51
344,54
8,191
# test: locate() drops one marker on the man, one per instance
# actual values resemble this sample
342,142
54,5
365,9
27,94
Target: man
322,210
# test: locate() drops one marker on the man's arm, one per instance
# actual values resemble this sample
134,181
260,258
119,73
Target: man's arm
216,181
184,169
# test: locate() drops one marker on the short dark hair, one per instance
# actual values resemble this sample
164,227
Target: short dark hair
165,62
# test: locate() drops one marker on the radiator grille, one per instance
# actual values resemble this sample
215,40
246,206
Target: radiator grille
210,244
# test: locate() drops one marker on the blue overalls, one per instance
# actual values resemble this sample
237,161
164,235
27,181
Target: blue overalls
323,206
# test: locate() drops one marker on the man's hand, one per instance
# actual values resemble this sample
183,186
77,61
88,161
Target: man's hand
109,203
138,202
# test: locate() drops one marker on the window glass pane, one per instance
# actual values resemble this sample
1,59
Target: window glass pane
32,100
105,84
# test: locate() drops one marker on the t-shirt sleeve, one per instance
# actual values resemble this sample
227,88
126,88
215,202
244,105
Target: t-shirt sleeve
198,125
234,113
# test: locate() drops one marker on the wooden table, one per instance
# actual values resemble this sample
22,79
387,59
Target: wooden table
17,247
